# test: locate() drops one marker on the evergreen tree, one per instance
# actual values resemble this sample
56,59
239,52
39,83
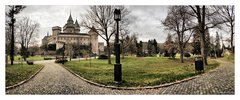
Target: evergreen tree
155,46
149,47
170,46
196,44
217,47
207,44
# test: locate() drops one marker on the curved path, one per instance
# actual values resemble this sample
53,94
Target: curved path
54,79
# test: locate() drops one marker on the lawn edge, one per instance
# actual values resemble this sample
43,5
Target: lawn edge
24,81
139,88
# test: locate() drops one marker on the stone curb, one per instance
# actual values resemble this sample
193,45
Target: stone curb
134,88
24,81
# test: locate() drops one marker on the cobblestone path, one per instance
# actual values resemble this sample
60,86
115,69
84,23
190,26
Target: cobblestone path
54,79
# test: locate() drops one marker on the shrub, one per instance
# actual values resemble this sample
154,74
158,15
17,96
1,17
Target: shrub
47,58
103,57
187,55
61,61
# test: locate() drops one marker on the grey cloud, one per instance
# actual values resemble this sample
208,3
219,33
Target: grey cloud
144,19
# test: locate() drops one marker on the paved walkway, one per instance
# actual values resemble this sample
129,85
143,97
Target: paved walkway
54,79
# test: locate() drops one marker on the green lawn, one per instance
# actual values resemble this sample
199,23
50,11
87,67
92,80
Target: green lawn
229,58
33,58
137,71
17,73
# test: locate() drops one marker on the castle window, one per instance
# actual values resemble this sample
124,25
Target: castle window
81,38
95,39
84,43
84,39
58,38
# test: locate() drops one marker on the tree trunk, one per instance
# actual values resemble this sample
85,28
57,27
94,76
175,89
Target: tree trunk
181,55
232,49
122,52
109,53
12,40
202,36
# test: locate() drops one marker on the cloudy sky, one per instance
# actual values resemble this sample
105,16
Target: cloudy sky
145,19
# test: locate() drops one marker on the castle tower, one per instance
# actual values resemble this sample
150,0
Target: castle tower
77,27
69,27
55,31
94,40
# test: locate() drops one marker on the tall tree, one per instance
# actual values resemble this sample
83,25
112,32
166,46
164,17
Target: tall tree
227,13
14,9
217,47
207,17
101,18
196,44
27,31
170,46
132,46
125,42
149,47
179,22
155,44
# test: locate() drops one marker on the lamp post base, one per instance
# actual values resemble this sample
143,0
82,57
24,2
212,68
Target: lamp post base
117,72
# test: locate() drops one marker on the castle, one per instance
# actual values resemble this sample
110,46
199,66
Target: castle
71,35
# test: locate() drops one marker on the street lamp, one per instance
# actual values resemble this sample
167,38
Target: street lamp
117,66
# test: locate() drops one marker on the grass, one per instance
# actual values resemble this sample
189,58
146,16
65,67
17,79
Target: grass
229,58
137,71
32,58
17,72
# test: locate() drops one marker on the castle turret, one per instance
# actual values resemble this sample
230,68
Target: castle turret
77,27
55,31
70,20
69,27
94,40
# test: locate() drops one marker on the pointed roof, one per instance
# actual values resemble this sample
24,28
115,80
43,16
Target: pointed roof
76,23
70,18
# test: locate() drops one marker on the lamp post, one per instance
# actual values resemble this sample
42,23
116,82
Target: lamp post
117,66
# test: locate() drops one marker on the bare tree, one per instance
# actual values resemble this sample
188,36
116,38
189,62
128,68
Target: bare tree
207,17
179,22
125,43
27,31
101,18
14,9
228,16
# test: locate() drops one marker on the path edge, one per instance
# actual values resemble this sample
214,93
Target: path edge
137,88
24,81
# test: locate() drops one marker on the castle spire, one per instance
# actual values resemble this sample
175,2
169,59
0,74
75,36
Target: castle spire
47,33
76,23
70,20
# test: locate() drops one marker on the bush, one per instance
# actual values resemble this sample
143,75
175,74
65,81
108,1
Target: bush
103,57
61,61
47,58
187,55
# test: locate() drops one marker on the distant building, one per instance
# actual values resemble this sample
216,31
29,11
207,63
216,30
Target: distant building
101,47
71,34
